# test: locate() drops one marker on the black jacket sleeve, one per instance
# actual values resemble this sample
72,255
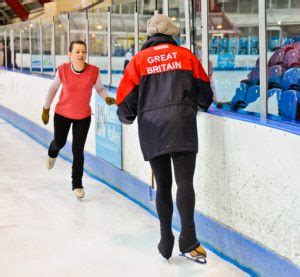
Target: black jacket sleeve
127,110
204,95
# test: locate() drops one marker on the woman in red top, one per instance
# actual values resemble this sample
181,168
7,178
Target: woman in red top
78,79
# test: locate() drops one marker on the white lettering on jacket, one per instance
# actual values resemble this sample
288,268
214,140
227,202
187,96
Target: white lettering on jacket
163,67
162,58
162,63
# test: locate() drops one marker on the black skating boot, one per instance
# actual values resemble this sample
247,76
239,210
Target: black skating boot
165,246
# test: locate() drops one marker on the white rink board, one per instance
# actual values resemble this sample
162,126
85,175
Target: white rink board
133,160
247,177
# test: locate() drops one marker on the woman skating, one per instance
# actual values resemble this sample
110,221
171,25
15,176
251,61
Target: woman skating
73,108
163,85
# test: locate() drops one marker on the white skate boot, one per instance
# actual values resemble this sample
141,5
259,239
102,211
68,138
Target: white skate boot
50,162
79,193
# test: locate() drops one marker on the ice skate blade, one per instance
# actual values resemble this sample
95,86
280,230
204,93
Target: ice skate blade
50,162
199,259
164,260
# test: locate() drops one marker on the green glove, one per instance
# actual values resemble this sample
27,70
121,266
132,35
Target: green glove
110,100
45,115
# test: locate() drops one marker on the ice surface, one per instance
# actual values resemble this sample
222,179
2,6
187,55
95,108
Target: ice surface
46,231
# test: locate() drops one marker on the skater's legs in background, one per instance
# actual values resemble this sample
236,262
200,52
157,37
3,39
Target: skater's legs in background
80,130
184,167
161,167
61,130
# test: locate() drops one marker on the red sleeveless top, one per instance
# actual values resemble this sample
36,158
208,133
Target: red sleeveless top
75,96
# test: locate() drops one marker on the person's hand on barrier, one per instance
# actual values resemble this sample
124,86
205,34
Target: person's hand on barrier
45,115
110,100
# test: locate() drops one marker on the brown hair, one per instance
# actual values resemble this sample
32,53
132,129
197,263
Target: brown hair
76,42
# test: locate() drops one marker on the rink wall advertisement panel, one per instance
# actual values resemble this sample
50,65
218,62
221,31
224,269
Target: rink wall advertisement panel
108,132
230,185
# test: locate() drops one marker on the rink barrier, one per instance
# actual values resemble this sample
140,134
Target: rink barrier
273,121
116,71
246,254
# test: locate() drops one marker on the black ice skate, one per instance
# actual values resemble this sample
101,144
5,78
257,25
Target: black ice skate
197,255
165,247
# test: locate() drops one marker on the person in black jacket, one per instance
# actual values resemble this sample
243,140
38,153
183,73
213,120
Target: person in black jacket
163,86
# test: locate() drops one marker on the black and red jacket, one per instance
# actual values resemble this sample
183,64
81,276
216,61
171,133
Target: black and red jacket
163,85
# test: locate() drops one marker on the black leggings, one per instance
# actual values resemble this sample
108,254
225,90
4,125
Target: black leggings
80,130
184,167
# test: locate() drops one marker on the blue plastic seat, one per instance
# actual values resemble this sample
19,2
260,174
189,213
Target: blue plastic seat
243,46
297,38
232,45
240,96
291,79
274,43
275,74
223,46
214,44
254,46
289,104
288,41
279,94
275,91
252,94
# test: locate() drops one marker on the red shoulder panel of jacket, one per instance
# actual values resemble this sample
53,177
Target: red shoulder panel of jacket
167,57
130,80
155,60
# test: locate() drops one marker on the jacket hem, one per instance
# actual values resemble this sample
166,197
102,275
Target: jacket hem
168,151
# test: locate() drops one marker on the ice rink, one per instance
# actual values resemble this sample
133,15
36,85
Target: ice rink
46,231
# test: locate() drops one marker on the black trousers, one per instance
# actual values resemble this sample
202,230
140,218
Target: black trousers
80,130
184,167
